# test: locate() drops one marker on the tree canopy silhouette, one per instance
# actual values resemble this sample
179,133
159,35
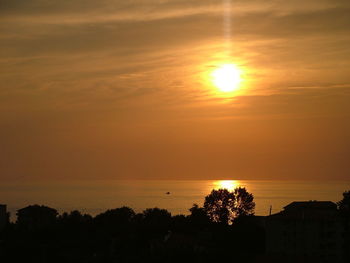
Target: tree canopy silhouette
156,219
223,206
122,215
344,204
219,205
198,216
244,202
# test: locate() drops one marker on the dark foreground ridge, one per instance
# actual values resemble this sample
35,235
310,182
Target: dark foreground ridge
223,230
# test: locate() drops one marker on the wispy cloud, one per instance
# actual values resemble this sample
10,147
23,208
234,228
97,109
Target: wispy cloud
103,72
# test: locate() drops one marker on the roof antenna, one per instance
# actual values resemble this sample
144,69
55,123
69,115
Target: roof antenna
270,209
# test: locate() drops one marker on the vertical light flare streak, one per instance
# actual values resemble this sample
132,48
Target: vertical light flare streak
227,11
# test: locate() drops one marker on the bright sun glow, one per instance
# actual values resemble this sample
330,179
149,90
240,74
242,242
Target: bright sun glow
227,78
226,184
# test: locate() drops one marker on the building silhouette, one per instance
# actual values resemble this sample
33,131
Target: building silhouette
306,232
36,217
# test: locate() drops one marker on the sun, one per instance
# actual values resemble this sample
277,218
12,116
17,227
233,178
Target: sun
227,77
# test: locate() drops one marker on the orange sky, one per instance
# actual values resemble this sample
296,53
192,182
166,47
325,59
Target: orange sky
120,89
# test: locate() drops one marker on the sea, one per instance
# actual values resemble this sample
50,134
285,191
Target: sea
94,197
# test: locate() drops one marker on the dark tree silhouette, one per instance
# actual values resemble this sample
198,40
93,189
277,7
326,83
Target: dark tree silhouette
219,206
122,215
74,218
156,220
198,217
115,221
156,216
179,223
223,206
198,213
120,235
244,202
344,204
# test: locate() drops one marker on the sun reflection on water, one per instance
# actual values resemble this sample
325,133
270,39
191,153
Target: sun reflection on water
226,184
